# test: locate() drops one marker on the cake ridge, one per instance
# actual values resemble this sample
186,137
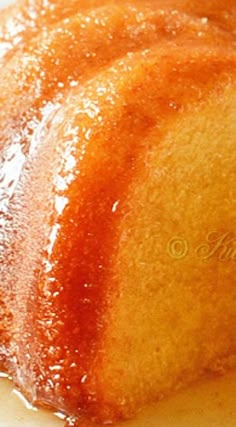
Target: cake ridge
132,93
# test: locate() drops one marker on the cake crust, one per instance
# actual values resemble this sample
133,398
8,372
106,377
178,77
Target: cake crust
111,113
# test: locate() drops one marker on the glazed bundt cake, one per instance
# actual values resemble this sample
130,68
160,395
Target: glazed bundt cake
117,199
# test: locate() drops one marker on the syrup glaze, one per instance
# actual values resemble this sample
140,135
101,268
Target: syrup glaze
85,93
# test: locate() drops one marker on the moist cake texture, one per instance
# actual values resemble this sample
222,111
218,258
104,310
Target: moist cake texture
117,200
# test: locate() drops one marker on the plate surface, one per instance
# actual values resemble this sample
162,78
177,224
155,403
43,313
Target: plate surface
5,2
209,404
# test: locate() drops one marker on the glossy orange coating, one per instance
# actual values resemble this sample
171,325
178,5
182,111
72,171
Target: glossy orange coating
84,95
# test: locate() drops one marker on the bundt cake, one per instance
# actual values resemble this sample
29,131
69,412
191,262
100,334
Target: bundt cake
117,199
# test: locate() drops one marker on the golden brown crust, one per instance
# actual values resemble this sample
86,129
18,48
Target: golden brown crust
82,99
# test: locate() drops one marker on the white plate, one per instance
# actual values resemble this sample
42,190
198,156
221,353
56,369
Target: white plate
210,404
5,2
14,412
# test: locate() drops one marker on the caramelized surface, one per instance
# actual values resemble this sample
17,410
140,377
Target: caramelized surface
85,125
